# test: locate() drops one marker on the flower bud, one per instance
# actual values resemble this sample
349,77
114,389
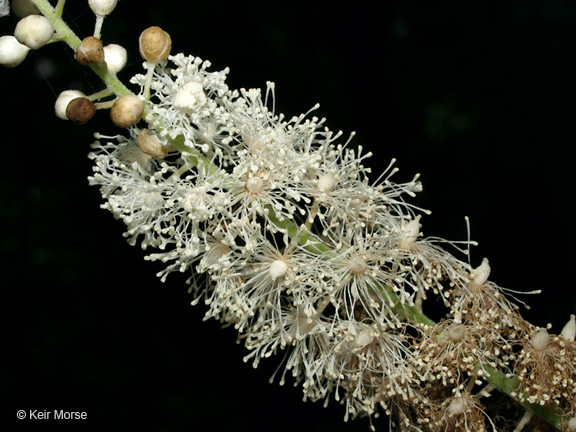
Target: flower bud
127,111
80,110
34,31
12,52
102,7
155,44
90,51
115,57
63,100
150,144
23,8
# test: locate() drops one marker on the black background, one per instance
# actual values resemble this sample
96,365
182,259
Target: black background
475,96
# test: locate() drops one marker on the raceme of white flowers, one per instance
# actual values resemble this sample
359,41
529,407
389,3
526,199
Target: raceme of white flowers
240,219
286,238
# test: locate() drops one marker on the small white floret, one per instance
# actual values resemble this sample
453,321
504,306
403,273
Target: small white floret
12,52
278,268
63,100
102,7
569,330
34,31
190,97
115,57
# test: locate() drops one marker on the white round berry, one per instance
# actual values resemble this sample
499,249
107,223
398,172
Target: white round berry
12,52
115,57
34,31
102,7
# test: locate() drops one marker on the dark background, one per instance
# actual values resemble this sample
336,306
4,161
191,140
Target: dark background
475,96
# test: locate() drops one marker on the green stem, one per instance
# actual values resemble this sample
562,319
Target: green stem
511,386
65,34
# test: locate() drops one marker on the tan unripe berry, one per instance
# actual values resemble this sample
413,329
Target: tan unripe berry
155,44
127,111
80,110
149,143
90,51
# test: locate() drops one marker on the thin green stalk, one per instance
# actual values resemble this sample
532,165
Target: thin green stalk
65,34
511,386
